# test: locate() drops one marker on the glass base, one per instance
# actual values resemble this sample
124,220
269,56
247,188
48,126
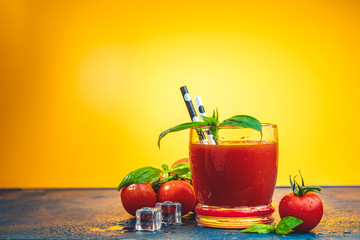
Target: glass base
242,217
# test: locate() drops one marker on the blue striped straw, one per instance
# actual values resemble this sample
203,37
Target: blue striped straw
202,113
192,112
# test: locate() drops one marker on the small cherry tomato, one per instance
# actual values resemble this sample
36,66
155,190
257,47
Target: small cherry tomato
136,196
180,161
178,191
303,204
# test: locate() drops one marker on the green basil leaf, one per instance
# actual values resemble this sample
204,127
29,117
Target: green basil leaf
287,224
243,121
141,175
260,228
179,128
185,175
181,170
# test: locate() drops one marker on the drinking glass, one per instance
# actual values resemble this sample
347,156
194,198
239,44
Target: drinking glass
234,180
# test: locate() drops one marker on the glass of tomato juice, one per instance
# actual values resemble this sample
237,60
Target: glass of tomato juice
234,180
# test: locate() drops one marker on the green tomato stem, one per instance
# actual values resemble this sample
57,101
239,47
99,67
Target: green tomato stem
302,190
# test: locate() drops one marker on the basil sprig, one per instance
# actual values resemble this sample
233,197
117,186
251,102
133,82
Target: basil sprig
152,175
212,122
283,227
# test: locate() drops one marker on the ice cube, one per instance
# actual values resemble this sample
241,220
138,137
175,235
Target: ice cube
171,212
148,219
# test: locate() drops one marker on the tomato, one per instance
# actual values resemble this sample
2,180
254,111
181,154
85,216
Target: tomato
136,196
180,161
308,208
178,191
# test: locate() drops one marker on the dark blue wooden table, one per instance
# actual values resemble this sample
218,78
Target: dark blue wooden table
98,213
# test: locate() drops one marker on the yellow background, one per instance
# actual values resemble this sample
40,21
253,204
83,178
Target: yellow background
87,86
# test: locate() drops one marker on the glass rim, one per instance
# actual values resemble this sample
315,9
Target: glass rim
268,124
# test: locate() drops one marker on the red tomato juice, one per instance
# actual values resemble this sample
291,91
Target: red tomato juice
241,174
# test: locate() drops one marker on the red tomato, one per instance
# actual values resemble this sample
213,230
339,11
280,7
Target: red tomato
136,196
178,191
308,208
180,161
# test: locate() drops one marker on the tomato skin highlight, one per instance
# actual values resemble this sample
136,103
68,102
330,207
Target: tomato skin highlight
136,196
178,191
308,208
180,161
